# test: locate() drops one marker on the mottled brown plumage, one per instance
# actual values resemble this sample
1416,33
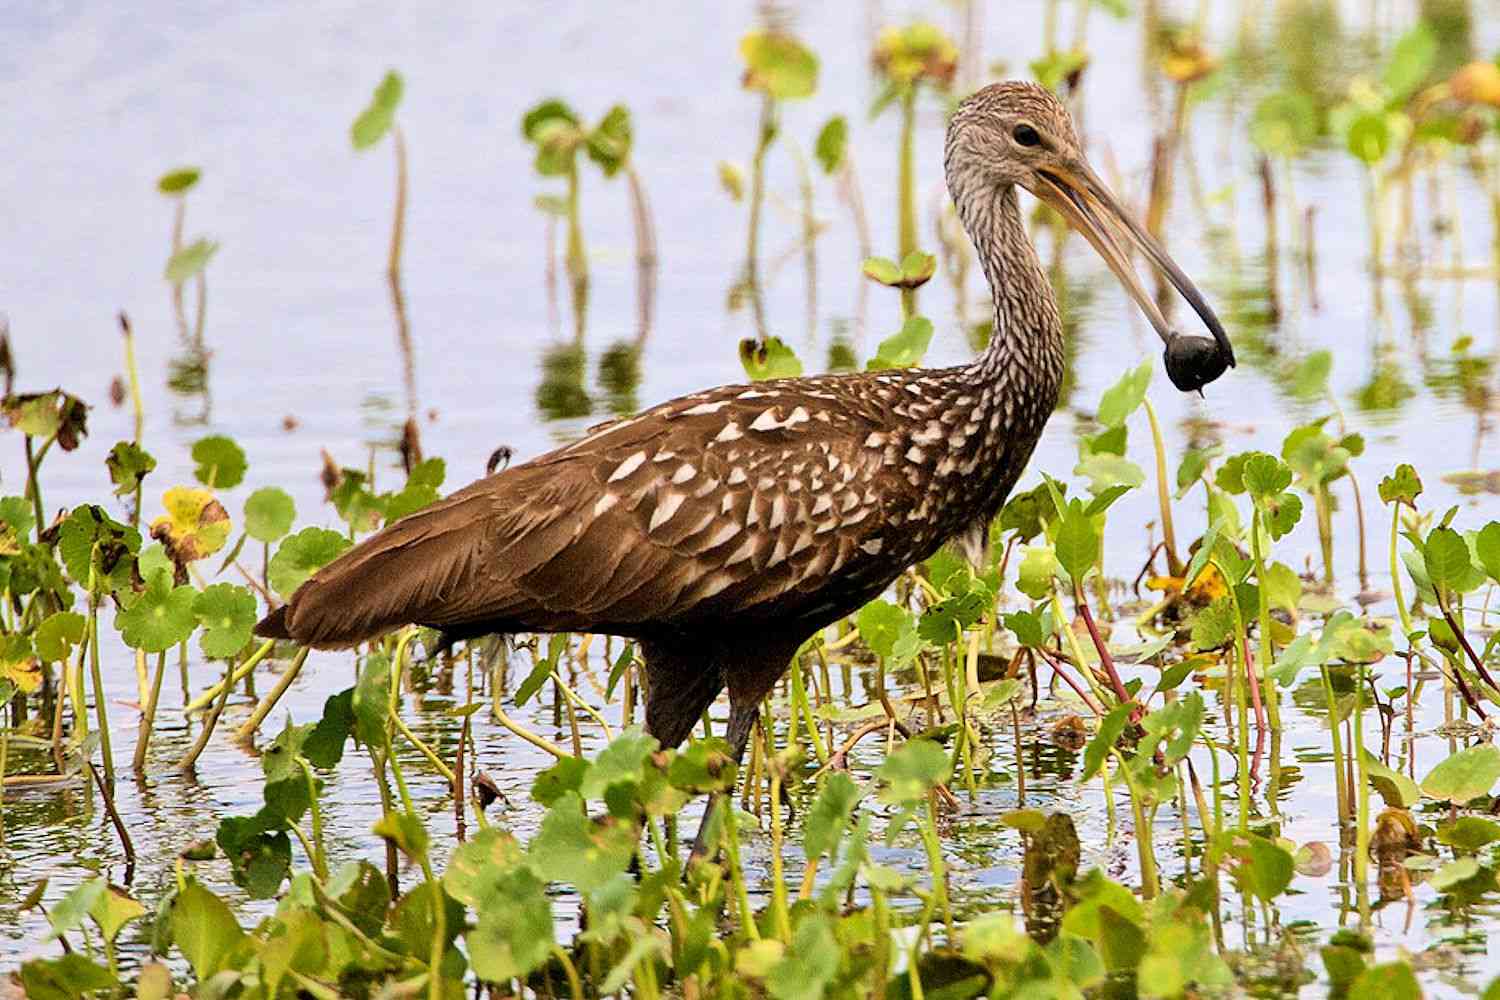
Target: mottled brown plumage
724,528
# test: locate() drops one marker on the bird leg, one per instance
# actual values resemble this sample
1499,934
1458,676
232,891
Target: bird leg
742,718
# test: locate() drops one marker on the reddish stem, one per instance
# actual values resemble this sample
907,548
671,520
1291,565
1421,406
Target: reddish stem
1056,664
1104,657
1260,708
1463,641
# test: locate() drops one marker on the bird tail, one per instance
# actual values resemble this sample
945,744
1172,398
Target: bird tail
423,569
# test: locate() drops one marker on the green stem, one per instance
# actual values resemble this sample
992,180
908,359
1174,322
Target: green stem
880,965
1325,530
1163,495
778,875
577,261
731,838
1362,829
1396,572
247,731
1267,644
1145,849
97,674
148,716
320,855
190,759
133,371
575,986
907,192
34,487
935,864
208,697
1337,741
758,187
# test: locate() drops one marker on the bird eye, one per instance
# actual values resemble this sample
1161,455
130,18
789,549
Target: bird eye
1026,136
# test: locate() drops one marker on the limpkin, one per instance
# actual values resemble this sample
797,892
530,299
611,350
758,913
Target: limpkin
723,529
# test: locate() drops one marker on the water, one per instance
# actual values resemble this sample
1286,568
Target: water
300,333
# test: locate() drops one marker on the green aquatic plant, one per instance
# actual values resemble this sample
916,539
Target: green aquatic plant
374,123
559,135
187,261
779,68
910,59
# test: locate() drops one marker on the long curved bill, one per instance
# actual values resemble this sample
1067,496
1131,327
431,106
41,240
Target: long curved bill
1088,206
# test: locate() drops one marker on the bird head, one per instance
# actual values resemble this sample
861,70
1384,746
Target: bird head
1017,134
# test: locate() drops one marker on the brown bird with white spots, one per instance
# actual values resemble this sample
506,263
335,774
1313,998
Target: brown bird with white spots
725,528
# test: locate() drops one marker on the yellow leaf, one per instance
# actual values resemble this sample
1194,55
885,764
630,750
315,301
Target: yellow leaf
25,674
1477,83
195,525
1187,61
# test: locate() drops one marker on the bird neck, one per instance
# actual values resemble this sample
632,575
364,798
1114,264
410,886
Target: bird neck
1024,359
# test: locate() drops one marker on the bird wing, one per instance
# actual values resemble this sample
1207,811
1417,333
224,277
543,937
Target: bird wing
709,506
713,505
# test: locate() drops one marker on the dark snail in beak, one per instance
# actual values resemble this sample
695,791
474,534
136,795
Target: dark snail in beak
1193,361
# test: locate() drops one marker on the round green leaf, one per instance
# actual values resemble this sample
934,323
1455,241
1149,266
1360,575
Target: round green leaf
1447,557
178,181
160,618
1368,136
269,513
1284,123
221,462
779,65
58,634
1403,485
227,613
301,555
768,359
915,768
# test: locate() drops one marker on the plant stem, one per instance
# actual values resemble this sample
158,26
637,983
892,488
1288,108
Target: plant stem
1336,739
320,856
1325,529
1163,495
1145,850
106,751
907,193
778,875
935,862
133,371
148,716
731,837
246,732
1463,640
114,815
190,759
1362,827
34,487
1104,655
1267,643
1359,523
393,275
231,679
1395,571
